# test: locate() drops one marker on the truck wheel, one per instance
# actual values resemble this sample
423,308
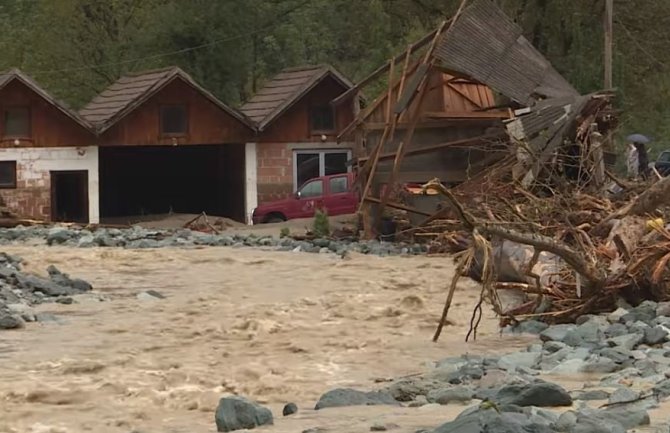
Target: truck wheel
275,218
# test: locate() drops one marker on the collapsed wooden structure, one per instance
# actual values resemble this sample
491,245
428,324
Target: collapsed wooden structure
537,211
466,94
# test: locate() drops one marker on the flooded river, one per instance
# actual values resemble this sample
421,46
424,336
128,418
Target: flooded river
275,327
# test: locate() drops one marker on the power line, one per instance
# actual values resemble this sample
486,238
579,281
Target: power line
275,22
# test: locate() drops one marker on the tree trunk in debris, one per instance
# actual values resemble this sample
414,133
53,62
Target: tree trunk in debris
650,200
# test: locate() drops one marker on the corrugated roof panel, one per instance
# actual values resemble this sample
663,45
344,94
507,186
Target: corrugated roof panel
486,45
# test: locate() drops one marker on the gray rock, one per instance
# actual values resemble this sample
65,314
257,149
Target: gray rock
86,242
616,354
599,364
342,397
519,359
587,334
419,401
10,321
34,283
587,424
460,394
237,413
616,315
290,409
554,346
570,366
645,312
530,327
616,330
655,335
628,341
540,394
623,395
58,236
150,295
662,389
409,389
48,318
556,332
590,394
663,309
629,417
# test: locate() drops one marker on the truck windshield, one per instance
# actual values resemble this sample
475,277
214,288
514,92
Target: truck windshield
664,157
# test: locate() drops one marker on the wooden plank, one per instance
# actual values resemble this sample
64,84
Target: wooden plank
371,108
438,123
484,139
399,206
378,148
464,95
466,114
379,71
412,86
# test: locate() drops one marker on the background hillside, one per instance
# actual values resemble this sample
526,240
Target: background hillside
77,47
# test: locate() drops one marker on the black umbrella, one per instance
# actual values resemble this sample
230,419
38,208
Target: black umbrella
638,138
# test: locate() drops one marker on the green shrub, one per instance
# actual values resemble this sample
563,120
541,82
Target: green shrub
321,225
284,232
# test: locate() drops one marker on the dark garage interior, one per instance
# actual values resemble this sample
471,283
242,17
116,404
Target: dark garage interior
189,179
69,196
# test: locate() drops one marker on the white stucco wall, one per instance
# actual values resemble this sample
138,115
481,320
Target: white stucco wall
34,165
250,180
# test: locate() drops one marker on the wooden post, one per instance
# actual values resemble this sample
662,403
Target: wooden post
609,12
598,157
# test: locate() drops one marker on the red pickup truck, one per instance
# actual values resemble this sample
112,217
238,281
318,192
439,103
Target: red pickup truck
332,193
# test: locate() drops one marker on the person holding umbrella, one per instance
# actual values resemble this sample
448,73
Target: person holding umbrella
637,158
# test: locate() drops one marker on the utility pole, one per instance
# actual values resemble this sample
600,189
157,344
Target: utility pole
609,12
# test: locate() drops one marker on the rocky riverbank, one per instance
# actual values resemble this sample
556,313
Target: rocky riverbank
624,356
19,291
142,238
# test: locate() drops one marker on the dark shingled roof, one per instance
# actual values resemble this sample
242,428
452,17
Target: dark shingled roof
8,76
132,90
488,46
285,89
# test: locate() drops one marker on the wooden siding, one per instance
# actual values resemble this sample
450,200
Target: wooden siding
293,126
207,123
446,95
50,127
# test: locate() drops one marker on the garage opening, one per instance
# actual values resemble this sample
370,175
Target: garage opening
155,180
69,196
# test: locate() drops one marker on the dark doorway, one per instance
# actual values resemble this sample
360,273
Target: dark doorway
69,196
155,180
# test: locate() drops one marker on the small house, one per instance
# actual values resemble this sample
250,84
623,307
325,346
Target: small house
297,129
48,157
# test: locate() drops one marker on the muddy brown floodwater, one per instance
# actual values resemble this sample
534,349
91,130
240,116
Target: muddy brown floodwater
273,326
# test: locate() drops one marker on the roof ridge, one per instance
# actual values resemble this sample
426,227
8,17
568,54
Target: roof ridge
150,71
303,68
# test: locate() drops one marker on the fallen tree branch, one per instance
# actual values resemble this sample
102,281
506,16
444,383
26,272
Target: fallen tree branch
573,258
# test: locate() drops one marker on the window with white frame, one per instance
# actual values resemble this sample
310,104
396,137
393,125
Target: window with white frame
308,164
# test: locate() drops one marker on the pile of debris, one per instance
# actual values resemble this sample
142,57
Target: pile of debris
20,290
534,207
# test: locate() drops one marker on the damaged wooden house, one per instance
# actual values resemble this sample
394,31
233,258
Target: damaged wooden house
469,95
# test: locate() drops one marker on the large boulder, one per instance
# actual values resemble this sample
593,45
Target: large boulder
10,321
342,397
540,394
456,394
237,413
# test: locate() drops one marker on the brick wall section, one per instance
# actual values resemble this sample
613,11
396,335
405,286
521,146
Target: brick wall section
275,171
32,196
